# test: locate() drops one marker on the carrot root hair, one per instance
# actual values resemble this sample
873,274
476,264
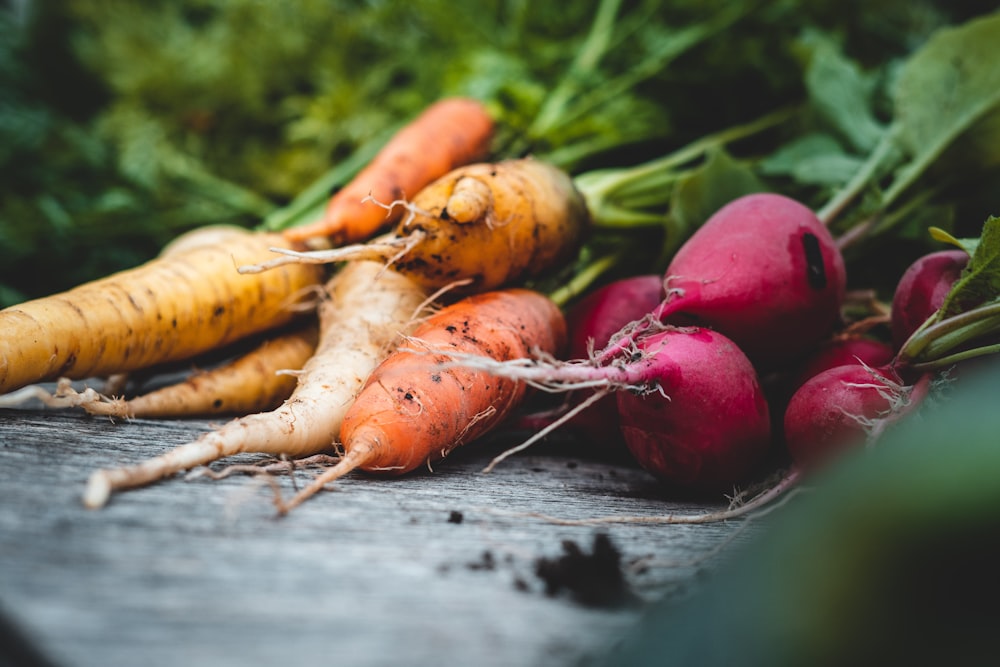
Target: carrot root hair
386,249
268,466
350,461
65,396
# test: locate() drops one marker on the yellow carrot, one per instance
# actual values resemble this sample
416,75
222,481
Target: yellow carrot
490,224
172,308
252,382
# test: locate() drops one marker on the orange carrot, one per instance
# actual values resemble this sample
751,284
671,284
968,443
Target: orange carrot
367,310
413,409
448,134
172,308
489,223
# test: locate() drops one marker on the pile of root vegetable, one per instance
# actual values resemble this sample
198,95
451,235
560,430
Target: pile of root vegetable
458,285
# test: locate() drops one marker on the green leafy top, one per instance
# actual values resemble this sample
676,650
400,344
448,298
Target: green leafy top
124,124
968,320
943,91
980,281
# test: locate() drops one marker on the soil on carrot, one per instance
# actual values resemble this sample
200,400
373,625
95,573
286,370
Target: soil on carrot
592,579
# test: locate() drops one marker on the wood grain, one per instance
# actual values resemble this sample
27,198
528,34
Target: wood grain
429,569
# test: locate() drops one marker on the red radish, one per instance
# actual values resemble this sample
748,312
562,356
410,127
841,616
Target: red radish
690,403
713,428
845,407
843,351
592,322
764,271
922,289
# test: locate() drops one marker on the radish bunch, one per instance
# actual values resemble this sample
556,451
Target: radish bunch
848,404
757,287
754,289
592,322
672,365
756,292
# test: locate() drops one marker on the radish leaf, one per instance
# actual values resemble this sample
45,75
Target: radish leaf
841,93
944,89
720,180
980,282
815,159
968,245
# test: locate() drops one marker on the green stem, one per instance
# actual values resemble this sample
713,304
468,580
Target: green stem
936,338
585,277
575,97
880,223
679,43
229,193
951,340
312,201
594,47
612,216
875,163
647,185
699,147
952,359
914,170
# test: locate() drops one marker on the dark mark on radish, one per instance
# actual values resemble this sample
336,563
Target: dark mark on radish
815,268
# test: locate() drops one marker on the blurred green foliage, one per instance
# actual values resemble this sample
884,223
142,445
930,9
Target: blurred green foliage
124,123
889,558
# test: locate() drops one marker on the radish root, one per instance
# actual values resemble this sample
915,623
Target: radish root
569,414
756,507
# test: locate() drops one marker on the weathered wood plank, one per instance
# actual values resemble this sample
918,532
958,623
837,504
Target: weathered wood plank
374,572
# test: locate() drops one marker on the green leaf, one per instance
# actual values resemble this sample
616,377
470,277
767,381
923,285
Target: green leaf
815,159
943,91
980,281
842,93
705,190
968,245
890,554
977,148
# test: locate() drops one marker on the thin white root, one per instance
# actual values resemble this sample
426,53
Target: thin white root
615,368
361,321
652,561
429,304
20,397
264,467
412,210
756,507
98,490
569,414
65,396
548,375
387,249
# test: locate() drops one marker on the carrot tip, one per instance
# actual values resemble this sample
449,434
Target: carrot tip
98,490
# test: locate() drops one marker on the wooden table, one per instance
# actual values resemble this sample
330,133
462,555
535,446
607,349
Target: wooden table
437,568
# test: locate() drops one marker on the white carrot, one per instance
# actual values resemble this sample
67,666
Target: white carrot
368,311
